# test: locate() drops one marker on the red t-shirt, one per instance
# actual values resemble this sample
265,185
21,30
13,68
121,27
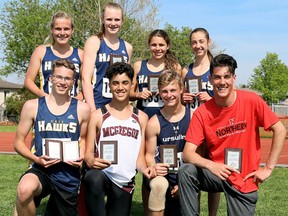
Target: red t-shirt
236,126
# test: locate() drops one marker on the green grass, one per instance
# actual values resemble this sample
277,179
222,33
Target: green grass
8,128
272,200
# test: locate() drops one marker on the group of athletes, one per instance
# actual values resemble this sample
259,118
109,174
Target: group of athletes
85,96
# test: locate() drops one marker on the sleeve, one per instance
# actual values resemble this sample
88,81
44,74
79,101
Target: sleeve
266,117
195,132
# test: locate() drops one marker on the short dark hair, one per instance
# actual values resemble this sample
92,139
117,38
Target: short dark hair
223,60
64,63
119,68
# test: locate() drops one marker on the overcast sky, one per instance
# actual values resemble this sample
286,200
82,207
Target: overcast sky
245,29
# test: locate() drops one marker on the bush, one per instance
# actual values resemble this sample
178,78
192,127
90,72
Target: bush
15,102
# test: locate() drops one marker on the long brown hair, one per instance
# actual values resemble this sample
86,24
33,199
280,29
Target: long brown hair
170,60
203,30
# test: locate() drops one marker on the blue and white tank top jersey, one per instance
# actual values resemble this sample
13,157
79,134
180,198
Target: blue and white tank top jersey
102,93
127,133
206,86
46,70
172,133
153,104
65,127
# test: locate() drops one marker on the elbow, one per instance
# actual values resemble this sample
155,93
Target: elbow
140,164
86,83
26,83
284,133
281,130
185,157
88,161
15,147
188,156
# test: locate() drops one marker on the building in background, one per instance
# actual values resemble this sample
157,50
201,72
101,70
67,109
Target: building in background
6,89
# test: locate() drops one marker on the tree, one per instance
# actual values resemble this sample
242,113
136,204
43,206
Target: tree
270,78
25,25
180,44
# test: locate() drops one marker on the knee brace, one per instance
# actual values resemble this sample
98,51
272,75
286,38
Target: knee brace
157,197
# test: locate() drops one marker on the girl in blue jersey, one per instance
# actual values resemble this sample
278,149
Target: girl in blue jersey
200,43
41,62
161,58
97,54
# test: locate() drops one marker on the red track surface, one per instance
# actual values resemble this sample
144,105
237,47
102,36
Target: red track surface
7,138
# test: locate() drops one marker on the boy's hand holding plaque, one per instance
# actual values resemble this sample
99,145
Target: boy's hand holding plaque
109,151
116,58
168,154
233,158
153,83
194,85
62,150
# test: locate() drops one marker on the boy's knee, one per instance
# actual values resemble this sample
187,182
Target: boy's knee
187,169
159,186
28,187
24,192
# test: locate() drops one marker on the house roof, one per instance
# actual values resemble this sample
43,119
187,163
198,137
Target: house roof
9,86
251,90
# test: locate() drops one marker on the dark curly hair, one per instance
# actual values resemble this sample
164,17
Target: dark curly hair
120,68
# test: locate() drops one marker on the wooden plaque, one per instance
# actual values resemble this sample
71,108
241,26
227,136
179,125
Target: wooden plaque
109,151
168,154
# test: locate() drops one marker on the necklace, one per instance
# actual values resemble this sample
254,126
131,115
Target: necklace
175,128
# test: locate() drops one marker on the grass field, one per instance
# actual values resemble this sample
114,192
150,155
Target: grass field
8,128
273,194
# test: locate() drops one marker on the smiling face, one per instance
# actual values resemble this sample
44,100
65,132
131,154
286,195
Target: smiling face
62,80
112,20
171,94
62,30
223,84
120,86
158,47
199,43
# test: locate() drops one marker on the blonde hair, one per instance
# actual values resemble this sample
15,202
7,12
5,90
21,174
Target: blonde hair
168,76
58,15
108,5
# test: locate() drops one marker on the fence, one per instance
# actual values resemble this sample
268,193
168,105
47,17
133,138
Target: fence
280,109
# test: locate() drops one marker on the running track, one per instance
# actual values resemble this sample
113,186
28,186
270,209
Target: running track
7,138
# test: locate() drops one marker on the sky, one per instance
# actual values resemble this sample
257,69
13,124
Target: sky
244,29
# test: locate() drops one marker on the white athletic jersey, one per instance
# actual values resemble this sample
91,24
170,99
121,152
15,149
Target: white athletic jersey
128,135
